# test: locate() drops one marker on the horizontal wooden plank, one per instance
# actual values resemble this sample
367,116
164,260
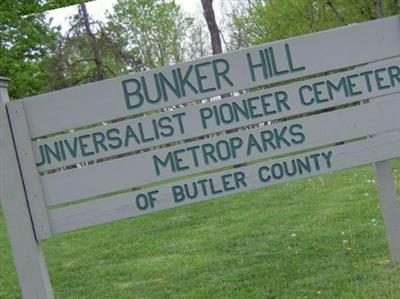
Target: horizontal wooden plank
372,80
208,154
295,57
232,181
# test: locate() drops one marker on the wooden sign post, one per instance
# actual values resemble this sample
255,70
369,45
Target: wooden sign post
389,206
106,151
28,256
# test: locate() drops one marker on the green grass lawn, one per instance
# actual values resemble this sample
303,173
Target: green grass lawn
316,238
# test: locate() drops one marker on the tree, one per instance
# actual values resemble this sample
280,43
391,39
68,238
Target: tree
93,42
268,20
209,16
25,39
26,42
85,53
154,31
139,34
394,7
237,11
199,45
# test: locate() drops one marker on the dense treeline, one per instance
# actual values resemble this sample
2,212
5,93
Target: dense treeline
142,34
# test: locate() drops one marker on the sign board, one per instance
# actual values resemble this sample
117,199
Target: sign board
191,132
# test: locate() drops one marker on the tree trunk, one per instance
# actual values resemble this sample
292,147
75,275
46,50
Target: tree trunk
209,15
93,41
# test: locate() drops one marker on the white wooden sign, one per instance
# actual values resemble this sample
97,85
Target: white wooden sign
217,119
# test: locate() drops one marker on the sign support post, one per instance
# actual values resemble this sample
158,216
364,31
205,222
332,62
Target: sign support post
389,207
28,256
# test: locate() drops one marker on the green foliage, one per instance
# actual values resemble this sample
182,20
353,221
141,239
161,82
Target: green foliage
155,31
24,41
268,20
28,45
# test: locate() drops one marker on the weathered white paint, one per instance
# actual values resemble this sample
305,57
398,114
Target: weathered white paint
26,250
379,116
